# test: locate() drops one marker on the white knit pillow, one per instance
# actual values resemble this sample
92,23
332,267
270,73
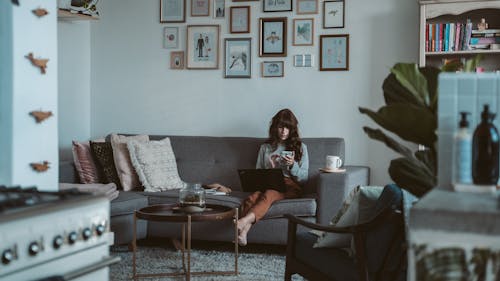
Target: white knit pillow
154,162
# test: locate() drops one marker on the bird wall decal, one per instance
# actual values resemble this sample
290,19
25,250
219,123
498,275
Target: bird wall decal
15,2
40,115
40,167
41,63
40,12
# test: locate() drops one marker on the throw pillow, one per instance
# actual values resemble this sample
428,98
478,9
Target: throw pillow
154,162
103,153
357,207
126,173
84,162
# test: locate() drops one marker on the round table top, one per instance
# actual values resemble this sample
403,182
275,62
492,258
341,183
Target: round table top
173,213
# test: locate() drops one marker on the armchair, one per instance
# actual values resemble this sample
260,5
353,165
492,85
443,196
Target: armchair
380,253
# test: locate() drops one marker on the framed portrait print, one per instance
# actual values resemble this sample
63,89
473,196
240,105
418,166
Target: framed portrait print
303,32
238,58
219,9
239,19
202,46
307,7
172,11
272,69
276,5
170,37
334,52
333,14
272,37
177,60
200,8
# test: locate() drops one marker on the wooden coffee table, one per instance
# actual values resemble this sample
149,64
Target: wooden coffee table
169,213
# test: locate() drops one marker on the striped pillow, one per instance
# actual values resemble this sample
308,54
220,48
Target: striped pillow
84,162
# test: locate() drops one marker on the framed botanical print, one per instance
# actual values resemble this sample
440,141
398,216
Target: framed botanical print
272,69
239,19
202,46
238,58
177,60
303,32
172,11
334,52
272,37
200,8
276,5
219,9
170,37
333,14
307,7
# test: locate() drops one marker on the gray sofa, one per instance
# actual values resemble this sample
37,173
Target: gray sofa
216,159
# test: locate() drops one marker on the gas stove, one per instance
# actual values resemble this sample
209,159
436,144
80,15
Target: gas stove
53,234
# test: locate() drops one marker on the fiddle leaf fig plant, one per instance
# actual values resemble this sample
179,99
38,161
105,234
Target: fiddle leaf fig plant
410,112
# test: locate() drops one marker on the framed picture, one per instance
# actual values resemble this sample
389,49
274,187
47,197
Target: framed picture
307,7
272,37
272,69
305,60
334,52
170,37
239,19
202,46
200,8
219,9
276,5
333,14
172,11
238,59
177,60
303,32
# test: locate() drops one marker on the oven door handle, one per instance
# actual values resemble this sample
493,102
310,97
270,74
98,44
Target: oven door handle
91,268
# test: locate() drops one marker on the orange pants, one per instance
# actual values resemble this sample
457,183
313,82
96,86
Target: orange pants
259,202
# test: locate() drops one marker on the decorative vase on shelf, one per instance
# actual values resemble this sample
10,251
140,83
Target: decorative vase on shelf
192,198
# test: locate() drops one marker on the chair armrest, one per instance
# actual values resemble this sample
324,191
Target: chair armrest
334,187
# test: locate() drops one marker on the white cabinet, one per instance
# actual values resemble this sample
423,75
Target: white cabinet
451,11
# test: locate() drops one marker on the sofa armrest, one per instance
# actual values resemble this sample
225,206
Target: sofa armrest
334,187
67,172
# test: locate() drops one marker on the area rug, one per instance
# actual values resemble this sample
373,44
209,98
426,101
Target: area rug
254,264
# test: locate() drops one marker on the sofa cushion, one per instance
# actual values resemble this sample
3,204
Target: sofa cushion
325,258
127,202
108,190
126,172
103,153
84,162
155,163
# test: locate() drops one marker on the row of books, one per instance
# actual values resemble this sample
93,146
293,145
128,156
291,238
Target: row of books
450,37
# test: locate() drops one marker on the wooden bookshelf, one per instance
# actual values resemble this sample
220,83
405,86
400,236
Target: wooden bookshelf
65,15
449,11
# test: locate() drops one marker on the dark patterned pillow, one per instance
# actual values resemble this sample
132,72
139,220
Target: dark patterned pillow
103,153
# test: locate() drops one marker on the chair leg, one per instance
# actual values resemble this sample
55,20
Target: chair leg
288,275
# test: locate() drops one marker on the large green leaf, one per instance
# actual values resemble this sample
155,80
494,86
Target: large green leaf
394,92
409,122
431,74
427,157
410,77
377,134
412,175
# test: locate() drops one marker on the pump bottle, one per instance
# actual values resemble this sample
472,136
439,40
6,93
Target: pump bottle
485,150
463,151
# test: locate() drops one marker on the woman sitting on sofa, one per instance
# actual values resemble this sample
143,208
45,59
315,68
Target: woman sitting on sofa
283,149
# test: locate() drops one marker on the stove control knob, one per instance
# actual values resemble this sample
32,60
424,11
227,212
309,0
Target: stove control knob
57,242
7,256
72,237
100,229
86,233
34,248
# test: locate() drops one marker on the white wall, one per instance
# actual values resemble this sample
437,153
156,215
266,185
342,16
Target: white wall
74,81
133,90
25,89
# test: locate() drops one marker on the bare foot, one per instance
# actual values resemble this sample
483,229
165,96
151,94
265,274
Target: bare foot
242,237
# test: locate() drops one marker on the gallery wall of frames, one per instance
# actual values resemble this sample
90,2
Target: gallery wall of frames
284,22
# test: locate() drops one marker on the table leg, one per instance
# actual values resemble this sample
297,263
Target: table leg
134,246
183,247
236,241
188,275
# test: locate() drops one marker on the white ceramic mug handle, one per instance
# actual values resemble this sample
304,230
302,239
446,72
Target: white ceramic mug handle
339,162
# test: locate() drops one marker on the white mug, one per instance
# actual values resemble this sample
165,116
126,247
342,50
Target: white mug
333,162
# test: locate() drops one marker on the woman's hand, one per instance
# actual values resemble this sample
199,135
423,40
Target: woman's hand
219,187
288,160
274,160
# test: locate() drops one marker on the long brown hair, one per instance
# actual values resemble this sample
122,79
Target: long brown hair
286,118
